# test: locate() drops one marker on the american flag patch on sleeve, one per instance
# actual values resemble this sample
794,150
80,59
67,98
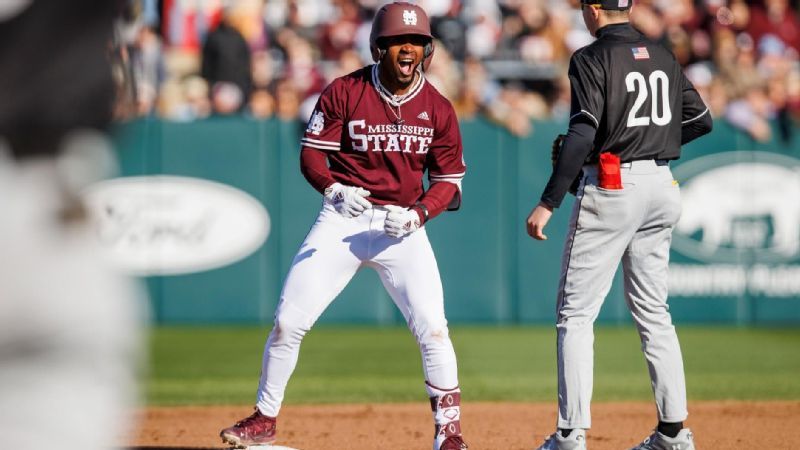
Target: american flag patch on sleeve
640,53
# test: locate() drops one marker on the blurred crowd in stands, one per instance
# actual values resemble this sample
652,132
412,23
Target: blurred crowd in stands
504,59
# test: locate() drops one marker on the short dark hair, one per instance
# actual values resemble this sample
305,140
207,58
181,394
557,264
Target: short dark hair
617,13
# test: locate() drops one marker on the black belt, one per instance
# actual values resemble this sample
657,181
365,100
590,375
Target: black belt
659,162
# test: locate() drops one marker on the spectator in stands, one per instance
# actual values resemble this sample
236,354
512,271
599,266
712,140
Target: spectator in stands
775,17
338,35
262,104
227,99
476,90
149,72
263,69
648,20
792,87
348,61
287,101
300,68
444,74
303,17
450,30
483,21
226,58
244,15
718,97
306,43
751,113
536,40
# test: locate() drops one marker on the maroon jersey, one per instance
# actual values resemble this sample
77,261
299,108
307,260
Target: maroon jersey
385,144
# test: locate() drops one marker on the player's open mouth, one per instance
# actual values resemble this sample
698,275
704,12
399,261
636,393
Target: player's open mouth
406,65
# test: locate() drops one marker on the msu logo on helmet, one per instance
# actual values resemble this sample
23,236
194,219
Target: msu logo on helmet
400,19
409,17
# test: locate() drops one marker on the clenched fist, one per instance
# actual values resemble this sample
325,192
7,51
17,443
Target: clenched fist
400,221
349,201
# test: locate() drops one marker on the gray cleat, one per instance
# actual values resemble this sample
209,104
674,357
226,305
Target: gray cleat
658,441
575,441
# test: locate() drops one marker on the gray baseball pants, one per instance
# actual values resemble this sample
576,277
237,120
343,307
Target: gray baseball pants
633,225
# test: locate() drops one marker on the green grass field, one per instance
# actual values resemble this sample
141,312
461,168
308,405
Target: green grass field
220,365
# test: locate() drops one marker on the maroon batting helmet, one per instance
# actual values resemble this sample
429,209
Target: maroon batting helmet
398,19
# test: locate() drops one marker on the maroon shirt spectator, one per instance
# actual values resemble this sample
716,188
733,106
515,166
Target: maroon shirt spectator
339,35
777,18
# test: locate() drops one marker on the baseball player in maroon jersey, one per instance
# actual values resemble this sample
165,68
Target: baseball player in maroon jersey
368,143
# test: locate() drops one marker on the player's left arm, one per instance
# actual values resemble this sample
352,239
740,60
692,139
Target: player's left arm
587,104
446,169
695,118
446,166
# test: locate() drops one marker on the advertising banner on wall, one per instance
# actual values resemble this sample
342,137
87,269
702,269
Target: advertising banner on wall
737,244
170,225
212,212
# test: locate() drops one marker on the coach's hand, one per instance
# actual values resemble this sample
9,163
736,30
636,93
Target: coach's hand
400,221
349,201
538,220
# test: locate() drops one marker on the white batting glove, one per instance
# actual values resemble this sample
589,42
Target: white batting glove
400,221
349,201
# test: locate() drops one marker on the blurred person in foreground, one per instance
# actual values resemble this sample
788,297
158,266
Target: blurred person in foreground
69,334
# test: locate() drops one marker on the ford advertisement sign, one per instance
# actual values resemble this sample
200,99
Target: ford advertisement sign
169,225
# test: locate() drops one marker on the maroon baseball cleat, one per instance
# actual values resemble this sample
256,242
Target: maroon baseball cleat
257,429
453,443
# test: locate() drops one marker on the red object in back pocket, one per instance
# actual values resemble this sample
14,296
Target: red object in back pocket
608,174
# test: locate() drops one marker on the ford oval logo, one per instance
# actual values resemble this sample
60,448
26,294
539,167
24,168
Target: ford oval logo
168,225
739,206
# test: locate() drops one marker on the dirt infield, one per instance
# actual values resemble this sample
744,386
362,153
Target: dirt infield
495,426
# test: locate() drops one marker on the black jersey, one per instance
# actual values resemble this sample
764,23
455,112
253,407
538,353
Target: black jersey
635,94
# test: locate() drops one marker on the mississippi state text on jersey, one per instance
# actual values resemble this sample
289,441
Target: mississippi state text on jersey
384,144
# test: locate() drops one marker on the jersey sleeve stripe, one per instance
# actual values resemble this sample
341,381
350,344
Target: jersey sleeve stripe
322,145
454,178
587,114
447,179
695,118
457,183
448,176
317,141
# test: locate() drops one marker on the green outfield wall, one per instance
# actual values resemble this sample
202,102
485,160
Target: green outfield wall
735,258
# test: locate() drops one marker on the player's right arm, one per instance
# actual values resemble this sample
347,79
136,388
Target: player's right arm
314,167
323,135
586,87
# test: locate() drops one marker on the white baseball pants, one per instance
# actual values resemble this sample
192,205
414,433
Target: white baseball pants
633,225
334,250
